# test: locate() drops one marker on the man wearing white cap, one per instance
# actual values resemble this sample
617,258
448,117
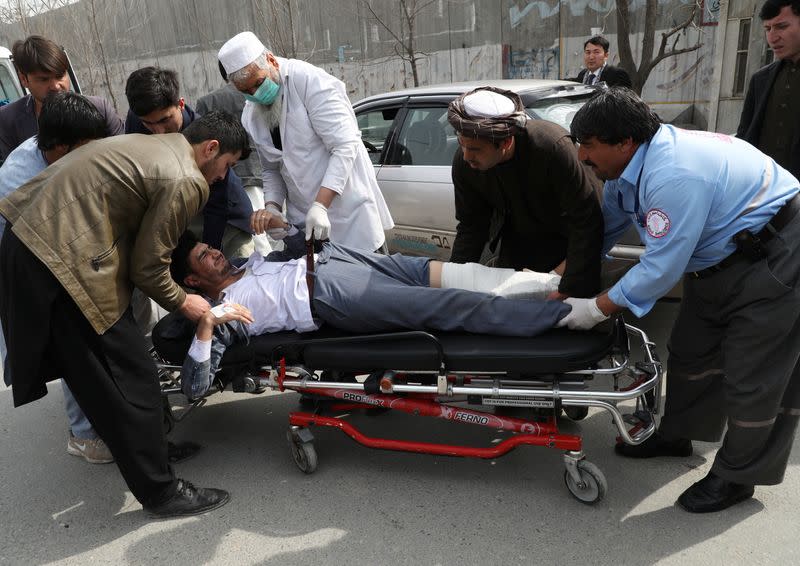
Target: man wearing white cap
519,186
310,146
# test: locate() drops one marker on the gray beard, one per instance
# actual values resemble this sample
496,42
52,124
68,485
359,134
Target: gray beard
271,114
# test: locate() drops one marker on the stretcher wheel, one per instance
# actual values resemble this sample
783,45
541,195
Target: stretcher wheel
576,413
593,484
303,453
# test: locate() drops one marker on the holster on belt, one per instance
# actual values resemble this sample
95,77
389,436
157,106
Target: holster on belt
749,245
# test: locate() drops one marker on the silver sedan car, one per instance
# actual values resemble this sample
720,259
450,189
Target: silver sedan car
412,146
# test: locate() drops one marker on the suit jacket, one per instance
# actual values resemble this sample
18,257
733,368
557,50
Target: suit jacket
755,105
612,76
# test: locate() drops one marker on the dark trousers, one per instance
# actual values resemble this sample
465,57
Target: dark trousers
733,362
111,375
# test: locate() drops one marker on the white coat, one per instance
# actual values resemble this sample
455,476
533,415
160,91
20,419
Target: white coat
322,147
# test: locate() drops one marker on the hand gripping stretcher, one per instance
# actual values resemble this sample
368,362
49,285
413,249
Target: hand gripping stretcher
457,377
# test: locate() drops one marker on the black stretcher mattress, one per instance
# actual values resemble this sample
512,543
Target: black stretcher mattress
556,351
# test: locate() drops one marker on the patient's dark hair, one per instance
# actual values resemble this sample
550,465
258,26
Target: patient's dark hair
222,126
68,118
179,268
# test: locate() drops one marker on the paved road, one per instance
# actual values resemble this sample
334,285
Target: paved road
370,507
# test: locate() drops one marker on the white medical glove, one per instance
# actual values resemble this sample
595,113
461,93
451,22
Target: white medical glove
318,225
276,233
585,314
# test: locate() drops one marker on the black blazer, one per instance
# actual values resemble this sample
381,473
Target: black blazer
755,104
612,76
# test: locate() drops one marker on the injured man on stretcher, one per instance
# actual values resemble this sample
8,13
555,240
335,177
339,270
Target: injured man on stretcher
356,291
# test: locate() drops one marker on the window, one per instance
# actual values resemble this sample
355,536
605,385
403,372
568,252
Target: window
560,110
427,138
375,126
740,71
8,88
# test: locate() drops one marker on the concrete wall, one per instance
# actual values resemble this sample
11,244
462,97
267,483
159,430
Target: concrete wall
455,40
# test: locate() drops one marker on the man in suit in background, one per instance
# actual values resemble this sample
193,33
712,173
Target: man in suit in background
595,57
771,114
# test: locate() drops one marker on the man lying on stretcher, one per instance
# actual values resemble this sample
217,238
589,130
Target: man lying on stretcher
355,291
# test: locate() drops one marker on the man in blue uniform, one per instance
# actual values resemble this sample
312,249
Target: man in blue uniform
724,214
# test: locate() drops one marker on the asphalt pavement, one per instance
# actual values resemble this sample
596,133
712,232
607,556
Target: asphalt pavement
372,507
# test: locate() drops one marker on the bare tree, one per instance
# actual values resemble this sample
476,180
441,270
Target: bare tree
277,17
404,34
102,51
15,12
649,60
23,12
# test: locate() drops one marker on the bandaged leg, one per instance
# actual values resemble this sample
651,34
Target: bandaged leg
499,281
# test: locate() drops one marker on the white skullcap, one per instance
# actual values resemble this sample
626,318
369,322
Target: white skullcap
488,104
239,51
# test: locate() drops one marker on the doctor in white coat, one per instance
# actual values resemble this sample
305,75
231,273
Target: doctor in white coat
310,146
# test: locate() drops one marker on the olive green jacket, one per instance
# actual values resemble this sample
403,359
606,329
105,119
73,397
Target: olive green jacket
107,216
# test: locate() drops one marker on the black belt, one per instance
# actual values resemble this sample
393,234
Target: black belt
777,223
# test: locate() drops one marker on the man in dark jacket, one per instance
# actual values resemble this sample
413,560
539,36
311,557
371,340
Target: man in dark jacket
519,184
595,57
771,115
42,66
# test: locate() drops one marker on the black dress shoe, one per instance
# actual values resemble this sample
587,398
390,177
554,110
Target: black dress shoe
189,500
656,446
712,493
182,451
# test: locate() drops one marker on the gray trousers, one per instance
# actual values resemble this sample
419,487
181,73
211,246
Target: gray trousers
733,360
365,292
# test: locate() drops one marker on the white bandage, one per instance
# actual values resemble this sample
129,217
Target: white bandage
499,281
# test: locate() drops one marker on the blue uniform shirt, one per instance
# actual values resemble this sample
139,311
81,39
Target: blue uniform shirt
688,193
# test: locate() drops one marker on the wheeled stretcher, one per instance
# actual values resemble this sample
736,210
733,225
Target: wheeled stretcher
457,377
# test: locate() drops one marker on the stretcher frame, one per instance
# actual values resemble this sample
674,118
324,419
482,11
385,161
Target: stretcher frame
441,393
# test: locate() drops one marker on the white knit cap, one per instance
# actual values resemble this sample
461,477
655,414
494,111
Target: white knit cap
239,51
488,104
